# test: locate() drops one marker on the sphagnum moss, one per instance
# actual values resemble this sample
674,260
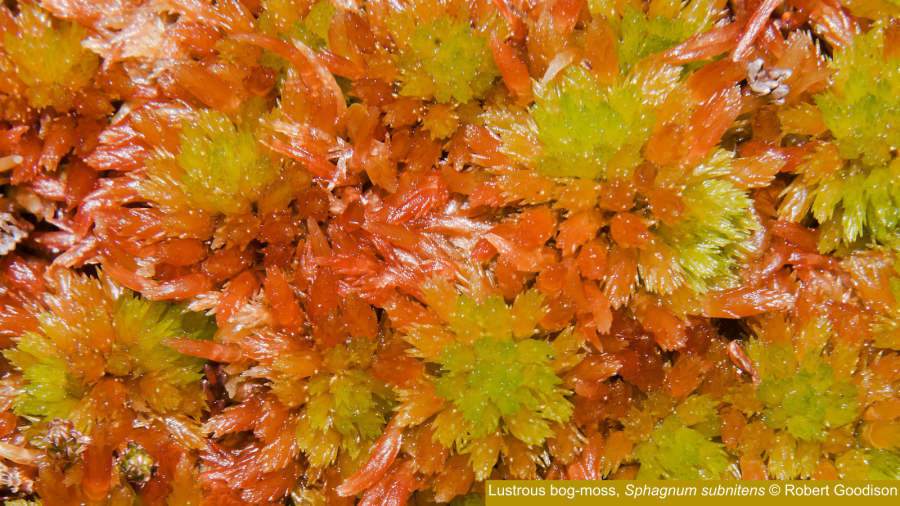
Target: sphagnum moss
444,243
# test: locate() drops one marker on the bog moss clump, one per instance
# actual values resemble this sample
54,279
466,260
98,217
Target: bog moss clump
95,330
48,57
316,252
